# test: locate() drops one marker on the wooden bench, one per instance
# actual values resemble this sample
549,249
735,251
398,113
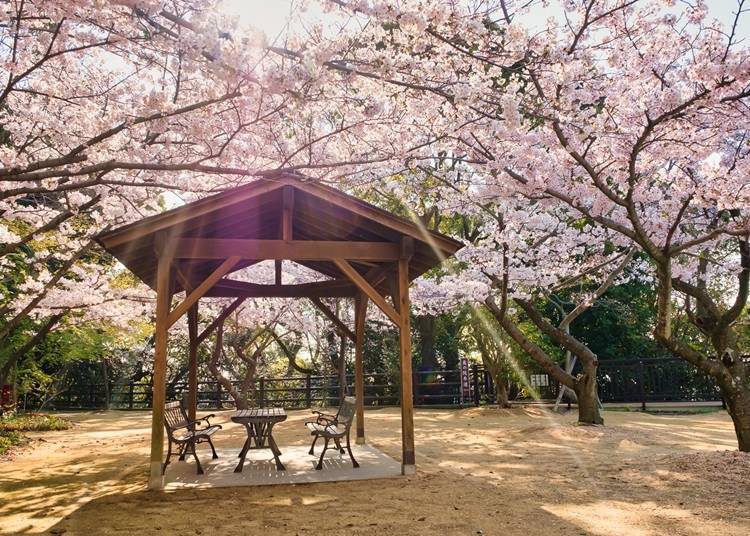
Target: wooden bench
182,431
333,427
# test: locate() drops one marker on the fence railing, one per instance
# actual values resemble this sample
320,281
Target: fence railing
625,380
440,387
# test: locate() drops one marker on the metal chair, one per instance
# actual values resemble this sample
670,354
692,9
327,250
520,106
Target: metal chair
182,431
333,427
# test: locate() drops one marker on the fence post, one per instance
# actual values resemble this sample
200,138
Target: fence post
131,387
308,391
475,381
263,392
641,386
415,388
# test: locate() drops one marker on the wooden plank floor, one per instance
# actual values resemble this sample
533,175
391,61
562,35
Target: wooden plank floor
260,469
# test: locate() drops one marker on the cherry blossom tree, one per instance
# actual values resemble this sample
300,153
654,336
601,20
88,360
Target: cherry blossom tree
631,114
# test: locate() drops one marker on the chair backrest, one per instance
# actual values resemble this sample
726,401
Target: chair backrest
347,410
175,416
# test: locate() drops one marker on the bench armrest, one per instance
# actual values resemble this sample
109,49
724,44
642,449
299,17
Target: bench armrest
196,421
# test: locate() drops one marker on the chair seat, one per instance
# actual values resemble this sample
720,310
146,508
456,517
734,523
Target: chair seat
325,430
205,432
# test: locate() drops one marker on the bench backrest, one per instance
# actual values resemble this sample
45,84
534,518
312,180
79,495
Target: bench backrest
175,416
347,410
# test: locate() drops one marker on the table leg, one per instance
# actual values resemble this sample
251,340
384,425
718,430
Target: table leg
243,452
275,450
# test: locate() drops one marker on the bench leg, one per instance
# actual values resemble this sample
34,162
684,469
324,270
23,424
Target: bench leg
183,449
320,461
349,448
338,445
312,447
169,455
195,455
213,450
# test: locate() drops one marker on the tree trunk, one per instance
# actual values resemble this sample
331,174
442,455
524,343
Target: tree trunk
501,391
738,406
425,326
342,366
213,366
588,400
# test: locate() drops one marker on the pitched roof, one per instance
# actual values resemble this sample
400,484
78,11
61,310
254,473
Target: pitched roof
254,211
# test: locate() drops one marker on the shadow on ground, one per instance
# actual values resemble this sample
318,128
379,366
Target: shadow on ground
481,471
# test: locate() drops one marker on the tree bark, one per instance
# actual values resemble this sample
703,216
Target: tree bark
501,391
213,366
425,326
584,385
588,399
738,406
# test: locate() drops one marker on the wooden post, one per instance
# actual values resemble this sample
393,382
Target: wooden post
641,385
105,375
192,360
308,391
360,314
262,395
163,299
408,463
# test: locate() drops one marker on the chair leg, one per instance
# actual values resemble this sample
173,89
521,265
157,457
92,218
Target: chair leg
169,455
320,461
349,448
195,455
213,450
312,447
338,445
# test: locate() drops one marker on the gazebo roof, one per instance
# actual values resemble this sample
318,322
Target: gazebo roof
271,218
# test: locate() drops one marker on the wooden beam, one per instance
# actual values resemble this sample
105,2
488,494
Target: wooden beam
207,283
445,244
342,328
277,268
182,278
228,310
325,250
404,336
192,401
287,215
287,207
163,298
183,215
322,289
368,289
360,316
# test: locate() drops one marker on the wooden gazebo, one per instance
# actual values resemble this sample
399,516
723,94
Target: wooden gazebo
365,252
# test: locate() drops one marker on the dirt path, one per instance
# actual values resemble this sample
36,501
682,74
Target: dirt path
481,471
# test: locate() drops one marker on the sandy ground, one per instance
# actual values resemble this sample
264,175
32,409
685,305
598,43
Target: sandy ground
481,471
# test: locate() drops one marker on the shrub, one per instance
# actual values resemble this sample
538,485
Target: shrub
10,439
33,422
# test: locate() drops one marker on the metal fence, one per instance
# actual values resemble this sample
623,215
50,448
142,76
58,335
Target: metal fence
625,380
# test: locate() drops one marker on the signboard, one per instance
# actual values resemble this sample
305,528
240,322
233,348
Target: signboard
465,382
539,380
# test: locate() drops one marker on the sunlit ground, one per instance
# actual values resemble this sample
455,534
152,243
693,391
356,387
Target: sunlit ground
481,471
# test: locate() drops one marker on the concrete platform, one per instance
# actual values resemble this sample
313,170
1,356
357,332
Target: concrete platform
260,468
